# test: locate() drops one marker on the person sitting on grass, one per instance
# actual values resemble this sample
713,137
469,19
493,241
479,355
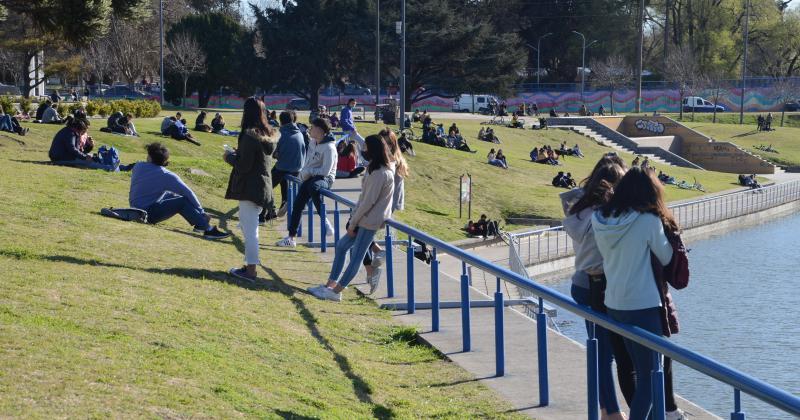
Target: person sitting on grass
178,131
373,209
405,145
666,179
50,115
553,112
346,165
11,124
415,115
485,227
68,150
492,160
500,156
515,122
534,154
162,194
576,151
460,143
334,120
127,122
166,123
113,124
200,123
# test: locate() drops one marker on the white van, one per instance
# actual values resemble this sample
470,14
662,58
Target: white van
698,104
473,103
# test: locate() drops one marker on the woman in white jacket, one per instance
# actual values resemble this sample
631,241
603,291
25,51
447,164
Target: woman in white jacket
373,209
627,229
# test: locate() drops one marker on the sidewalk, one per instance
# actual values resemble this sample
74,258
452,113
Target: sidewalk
520,386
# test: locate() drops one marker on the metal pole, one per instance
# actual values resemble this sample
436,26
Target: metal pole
666,32
403,98
744,60
377,53
538,56
639,58
160,49
583,62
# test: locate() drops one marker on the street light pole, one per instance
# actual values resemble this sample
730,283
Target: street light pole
744,60
583,62
538,56
377,54
403,98
639,58
161,49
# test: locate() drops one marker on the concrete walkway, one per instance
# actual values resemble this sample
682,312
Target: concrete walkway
519,386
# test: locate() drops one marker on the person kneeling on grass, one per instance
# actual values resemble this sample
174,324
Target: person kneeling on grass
317,174
373,209
162,194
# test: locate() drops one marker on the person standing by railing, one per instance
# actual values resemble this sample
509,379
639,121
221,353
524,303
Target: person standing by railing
290,154
627,229
373,209
596,191
318,173
250,181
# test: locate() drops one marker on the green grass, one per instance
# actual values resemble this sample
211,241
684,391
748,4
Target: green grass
791,119
524,190
785,139
102,318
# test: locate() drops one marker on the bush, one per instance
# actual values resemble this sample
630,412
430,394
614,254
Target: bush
25,105
104,109
137,108
62,109
74,107
7,105
92,107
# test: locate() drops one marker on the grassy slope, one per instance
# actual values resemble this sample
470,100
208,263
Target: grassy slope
101,318
785,139
524,189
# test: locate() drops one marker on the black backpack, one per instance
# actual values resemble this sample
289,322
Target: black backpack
127,214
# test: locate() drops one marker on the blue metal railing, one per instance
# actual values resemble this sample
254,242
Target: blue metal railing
740,382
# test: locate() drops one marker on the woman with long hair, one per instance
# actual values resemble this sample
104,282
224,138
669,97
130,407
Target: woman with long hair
373,209
627,230
250,181
596,190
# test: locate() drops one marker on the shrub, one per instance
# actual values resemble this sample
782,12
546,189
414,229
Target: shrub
92,107
25,105
62,109
7,105
104,109
74,107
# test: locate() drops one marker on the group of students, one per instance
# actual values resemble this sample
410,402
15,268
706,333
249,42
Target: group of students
627,253
119,123
73,146
487,134
546,155
764,123
47,113
497,159
564,180
749,181
435,135
484,227
217,124
175,127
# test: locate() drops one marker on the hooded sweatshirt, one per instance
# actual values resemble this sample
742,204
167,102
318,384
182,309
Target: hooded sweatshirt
625,243
321,159
580,278
291,150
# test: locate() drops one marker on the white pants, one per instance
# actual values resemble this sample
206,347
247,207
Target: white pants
248,222
362,146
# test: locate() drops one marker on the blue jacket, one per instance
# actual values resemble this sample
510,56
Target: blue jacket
291,150
149,181
65,146
346,119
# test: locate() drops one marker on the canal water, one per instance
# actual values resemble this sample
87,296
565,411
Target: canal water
741,308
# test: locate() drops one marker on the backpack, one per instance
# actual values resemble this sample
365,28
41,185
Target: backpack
108,156
128,214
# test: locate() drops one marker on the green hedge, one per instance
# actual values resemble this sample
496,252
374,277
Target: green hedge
141,108
7,105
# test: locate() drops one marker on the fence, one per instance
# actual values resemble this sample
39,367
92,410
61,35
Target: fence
739,381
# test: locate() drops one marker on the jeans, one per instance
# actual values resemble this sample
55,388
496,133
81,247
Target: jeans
643,358
499,163
350,174
357,137
309,190
358,247
80,163
9,123
170,204
248,222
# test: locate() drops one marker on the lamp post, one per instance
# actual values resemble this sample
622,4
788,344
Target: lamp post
377,54
400,28
538,49
583,61
639,58
160,49
744,60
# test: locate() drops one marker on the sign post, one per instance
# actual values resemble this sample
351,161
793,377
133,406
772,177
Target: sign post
465,195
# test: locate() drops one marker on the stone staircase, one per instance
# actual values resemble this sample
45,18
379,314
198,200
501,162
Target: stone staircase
605,141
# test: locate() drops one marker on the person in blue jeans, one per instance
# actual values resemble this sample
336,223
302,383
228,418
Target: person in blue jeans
373,209
66,147
162,194
627,230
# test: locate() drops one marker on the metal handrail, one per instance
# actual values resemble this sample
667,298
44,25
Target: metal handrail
757,388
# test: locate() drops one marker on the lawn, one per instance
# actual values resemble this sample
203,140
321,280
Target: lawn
785,139
102,318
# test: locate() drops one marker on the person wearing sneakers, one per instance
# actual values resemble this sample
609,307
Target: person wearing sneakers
373,209
317,174
250,182
290,155
349,125
162,194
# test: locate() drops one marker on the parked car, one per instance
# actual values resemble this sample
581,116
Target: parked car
698,104
9,90
298,104
473,103
122,92
792,106
356,90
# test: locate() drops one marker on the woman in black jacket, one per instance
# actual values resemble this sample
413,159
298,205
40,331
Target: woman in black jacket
250,181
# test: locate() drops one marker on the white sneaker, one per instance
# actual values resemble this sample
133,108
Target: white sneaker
313,288
675,415
328,228
378,258
375,279
286,242
324,293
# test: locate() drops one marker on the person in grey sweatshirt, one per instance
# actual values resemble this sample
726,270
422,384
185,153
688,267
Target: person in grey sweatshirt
595,191
627,229
318,173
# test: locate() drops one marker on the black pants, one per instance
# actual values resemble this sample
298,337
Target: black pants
309,190
279,177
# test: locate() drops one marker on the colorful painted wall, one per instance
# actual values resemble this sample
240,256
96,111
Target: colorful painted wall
661,100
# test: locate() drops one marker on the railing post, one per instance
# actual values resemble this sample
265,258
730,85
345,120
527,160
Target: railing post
434,292
466,339
410,275
657,377
591,375
499,333
323,227
310,222
300,224
336,222
541,345
737,414
289,202
389,264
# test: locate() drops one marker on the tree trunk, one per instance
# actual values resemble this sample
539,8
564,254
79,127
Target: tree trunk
783,112
313,98
203,95
680,107
611,96
183,99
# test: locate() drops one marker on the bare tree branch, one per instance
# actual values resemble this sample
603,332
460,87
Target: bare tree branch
185,58
613,73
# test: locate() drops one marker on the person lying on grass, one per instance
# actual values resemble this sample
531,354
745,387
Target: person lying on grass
163,194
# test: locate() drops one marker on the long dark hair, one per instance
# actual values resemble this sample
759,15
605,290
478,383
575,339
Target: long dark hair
599,188
253,118
377,152
639,191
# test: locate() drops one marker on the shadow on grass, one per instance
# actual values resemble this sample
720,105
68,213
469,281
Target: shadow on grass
749,133
361,388
290,415
37,162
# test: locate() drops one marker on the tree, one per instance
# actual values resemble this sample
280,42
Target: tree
715,83
98,58
128,54
683,71
613,73
185,58
9,65
784,90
